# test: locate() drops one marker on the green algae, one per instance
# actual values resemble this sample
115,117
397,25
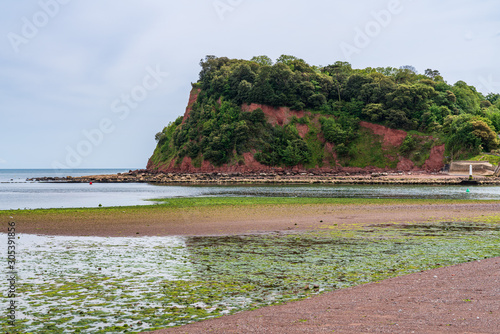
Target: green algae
228,274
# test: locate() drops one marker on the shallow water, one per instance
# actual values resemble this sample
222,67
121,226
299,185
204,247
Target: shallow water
109,285
59,276
17,193
32,195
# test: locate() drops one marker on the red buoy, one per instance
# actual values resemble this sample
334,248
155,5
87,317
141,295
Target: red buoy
90,182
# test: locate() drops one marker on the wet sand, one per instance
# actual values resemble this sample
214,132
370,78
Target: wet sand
224,220
458,299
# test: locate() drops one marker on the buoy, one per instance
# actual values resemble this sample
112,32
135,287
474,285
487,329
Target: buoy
467,191
91,184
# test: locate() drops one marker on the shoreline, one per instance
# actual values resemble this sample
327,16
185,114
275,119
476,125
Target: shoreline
198,218
416,293
461,298
279,177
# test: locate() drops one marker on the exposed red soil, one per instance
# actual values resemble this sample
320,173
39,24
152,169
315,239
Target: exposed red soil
405,164
464,298
275,115
186,166
436,158
303,129
193,96
392,137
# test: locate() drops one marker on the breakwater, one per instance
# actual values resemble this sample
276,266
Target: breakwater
376,178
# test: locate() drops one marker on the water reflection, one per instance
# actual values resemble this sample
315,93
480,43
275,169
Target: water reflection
349,191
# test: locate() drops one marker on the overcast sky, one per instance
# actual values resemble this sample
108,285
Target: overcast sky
87,84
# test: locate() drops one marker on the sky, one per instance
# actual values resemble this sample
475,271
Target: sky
88,84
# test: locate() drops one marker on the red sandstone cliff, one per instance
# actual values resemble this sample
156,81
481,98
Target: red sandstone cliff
282,116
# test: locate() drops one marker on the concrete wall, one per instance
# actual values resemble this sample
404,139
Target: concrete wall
478,167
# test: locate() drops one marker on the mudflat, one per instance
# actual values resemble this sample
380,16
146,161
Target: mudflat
164,220
463,298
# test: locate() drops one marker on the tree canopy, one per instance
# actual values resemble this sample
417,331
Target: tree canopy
401,98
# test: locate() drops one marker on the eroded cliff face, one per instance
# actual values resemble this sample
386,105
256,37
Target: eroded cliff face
193,96
390,139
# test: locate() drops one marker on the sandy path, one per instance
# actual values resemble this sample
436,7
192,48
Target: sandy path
460,299
237,219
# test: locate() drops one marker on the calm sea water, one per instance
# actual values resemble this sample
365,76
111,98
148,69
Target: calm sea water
17,193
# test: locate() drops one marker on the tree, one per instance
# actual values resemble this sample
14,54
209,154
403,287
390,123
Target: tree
467,98
262,60
482,130
432,73
493,98
317,100
374,112
413,100
159,136
244,91
354,85
485,104
409,68
340,72
241,72
210,65
263,91
287,59
296,152
469,134
408,145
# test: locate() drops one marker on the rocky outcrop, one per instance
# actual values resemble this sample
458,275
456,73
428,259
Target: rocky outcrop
436,158
193,96
275,176
391,138
249,164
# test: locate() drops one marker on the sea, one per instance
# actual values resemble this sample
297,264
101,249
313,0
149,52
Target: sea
17,192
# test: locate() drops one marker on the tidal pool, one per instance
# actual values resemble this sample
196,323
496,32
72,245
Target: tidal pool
116,285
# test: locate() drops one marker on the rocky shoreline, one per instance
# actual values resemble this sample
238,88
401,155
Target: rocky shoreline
278,177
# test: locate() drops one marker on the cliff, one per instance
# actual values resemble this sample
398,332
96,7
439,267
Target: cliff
246,116
386,142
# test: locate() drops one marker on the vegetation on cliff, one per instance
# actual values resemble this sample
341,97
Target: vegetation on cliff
331,102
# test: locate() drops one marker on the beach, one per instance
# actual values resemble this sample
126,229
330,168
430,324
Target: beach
164,220
464,298
453,299
193,220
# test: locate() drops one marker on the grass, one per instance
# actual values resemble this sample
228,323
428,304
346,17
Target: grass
492,159
316,147
368,151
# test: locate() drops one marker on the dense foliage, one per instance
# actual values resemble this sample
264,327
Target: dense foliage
217,130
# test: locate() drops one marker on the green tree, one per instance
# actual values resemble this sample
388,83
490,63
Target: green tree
244,92
340,72
287,59
467,98
375,112
432,73
262,60
467,134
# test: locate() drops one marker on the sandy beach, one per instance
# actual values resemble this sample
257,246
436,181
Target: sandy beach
222,220
460,299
